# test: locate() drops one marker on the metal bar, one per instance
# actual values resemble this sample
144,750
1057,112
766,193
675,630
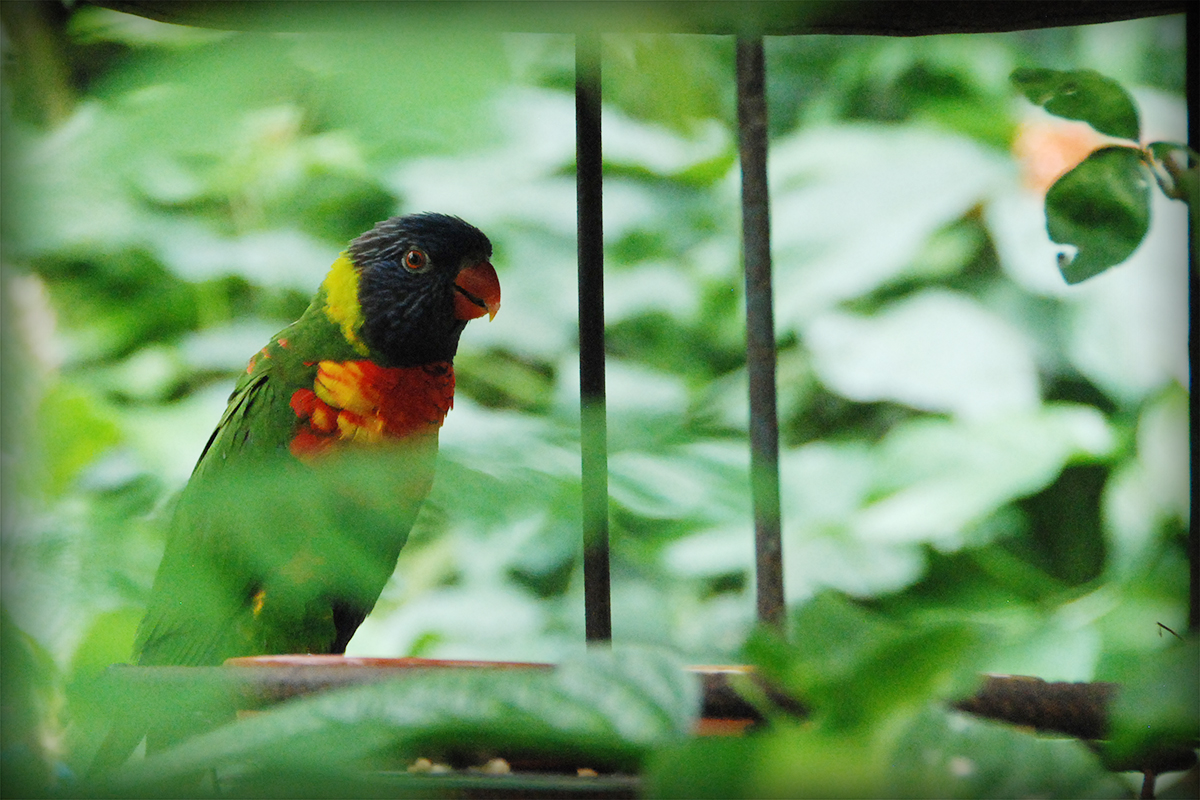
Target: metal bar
1193,541
593,433
775,17
760,329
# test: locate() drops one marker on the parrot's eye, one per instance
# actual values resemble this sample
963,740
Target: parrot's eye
415,260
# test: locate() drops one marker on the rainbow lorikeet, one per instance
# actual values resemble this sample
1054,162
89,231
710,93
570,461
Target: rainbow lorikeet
369,363
282,541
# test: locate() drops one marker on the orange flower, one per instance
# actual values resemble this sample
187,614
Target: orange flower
1049,147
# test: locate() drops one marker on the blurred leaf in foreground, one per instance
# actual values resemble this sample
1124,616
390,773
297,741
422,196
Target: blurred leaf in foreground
937,753
29,674
1159,702
608,709
876,726
950,754
857,669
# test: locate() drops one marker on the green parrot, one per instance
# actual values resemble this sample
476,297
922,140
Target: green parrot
296,512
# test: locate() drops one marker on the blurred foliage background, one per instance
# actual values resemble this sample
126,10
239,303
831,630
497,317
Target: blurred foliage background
964,436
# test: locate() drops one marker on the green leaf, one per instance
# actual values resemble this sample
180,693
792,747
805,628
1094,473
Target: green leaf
75,427
27,713
932,349
784,761
1102,207
604,709
705,767
935,753
674,81
107,640
869,197
1084,95
949,754
936,479
856,668
1158,706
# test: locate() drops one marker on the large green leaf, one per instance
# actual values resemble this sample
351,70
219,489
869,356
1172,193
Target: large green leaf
938,478
935,753
1102,207
853,206
705,767
934,350
788,761
1158,707
1084,95
949,754
604,709
857,669
27,712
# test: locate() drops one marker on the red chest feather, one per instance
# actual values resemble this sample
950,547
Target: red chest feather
357,401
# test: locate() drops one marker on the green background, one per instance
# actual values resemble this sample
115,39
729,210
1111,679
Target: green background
965,438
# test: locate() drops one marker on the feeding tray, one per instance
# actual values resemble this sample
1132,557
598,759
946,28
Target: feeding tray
279,677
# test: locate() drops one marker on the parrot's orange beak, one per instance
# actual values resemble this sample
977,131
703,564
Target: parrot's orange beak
477,292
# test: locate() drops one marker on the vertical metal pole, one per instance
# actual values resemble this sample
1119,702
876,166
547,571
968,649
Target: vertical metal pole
760,329
593,433
1192,23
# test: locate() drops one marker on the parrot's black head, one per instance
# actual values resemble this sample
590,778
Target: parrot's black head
421,278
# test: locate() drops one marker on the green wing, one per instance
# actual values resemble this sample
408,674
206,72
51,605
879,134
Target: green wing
266,554
197,605
195,615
